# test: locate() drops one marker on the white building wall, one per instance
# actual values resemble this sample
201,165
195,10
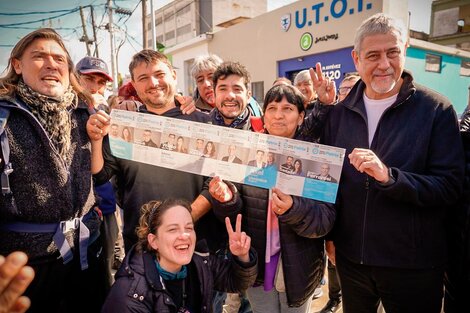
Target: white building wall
182,57
260,42
226,10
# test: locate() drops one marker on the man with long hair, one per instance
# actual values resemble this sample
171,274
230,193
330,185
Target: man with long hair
47,203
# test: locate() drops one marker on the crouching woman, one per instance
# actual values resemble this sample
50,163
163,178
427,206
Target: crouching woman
163,273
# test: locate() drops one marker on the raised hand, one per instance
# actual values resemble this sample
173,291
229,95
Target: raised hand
188,105
220,190
14,279
239,242
325,88
97,125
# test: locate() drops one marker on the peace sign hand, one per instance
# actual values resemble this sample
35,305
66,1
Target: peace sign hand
239,242
325,88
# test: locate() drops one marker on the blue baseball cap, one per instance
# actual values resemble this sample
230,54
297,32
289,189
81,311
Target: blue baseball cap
91,65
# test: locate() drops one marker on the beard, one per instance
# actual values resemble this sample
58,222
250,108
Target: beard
383,86
160,100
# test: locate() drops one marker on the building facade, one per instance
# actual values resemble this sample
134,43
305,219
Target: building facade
443,69
297,36
450,23
183,20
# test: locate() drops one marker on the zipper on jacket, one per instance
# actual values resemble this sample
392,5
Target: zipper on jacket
367,183
366,186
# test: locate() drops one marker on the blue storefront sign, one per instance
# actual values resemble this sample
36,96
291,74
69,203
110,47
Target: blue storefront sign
324,11
334,64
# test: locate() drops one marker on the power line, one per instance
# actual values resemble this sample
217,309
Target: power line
132,12
128,35
34,28
35,12
41,20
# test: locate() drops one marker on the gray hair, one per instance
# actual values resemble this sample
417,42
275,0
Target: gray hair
205,63
350,77
302,76
380,24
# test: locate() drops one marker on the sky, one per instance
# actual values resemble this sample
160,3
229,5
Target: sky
69,27
16,21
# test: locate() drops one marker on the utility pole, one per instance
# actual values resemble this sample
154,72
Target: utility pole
96,54
154,33
144,24
84,36
113,52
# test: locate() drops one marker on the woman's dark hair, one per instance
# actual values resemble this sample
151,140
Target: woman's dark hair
151,215
213,148
130,134
292,94
300,167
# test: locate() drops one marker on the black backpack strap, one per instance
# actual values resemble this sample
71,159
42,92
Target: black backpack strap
7,168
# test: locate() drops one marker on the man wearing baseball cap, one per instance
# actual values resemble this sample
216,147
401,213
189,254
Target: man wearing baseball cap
93,75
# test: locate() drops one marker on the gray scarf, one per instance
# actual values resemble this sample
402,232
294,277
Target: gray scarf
52,113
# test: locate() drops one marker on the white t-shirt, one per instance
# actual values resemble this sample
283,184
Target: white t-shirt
375,109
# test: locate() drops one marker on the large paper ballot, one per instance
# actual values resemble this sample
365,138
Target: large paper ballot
296,167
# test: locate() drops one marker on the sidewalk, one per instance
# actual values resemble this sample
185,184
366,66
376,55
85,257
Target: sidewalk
319,303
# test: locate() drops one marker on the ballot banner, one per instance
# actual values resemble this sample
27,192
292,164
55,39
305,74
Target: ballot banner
296,167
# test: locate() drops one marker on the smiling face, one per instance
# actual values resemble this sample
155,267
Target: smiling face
324,170
231,97
44,68
146,136
155,84
380,63
180,142
175,239
209,147
126,134
306,88
282,118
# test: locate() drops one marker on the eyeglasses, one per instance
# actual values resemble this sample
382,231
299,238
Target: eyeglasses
344,90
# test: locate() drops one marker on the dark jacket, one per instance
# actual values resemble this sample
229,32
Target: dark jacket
457,279
45,189
138,183
400,225
139,287
300,230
